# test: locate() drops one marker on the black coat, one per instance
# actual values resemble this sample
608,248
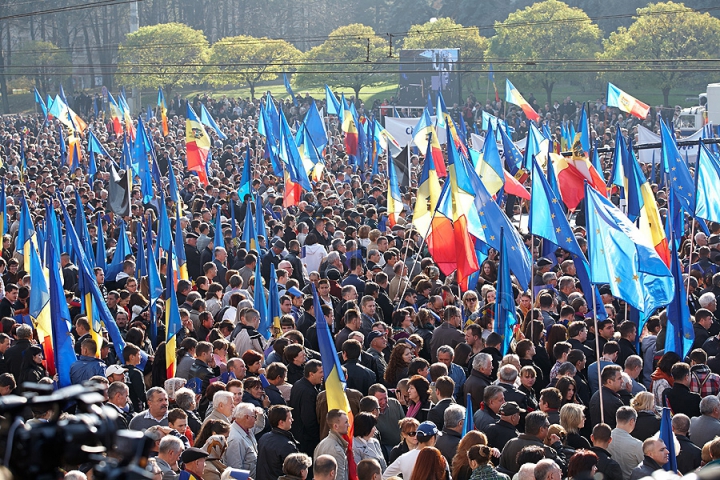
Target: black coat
626,349
646,425
202,370
359,378
273,448
437,413
194,265
681,400
611,403
606,465
14,356
690,456
589,352
512,394
305,428
498,434
274,395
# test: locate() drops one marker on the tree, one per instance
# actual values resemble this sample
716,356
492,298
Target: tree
541,35
668,32
166,55
249,60
445,33
41,61
353,56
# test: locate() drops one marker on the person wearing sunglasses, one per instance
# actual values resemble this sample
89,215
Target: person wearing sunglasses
408,435
471,306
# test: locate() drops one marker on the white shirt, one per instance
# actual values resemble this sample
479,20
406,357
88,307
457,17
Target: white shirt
404,465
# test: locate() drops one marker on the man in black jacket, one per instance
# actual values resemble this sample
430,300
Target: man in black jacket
690,456
679,397
192,256
628,333
601,438
303,400
444,387
7,304
204,367
656,455
14,354
359,377
276,445
500,433
611,377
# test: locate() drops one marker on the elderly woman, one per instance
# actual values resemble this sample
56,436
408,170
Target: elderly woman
295,467
647,423
215,446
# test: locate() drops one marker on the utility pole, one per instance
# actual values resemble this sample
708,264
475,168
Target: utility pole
134,27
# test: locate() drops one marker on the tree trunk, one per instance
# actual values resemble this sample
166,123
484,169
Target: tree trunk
548,86
3,81
252,90
666,96
357,89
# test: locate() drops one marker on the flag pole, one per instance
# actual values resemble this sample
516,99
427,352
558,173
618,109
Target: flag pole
597,355
692,239
422,244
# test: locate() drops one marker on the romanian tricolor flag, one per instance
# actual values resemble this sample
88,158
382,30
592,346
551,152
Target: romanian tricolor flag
441,238
573,172
394,198
292,193
350,130
626,103
125,109
162,106
444,120
172,321
426,139
334,378
513,96
489,165
39,308
428,195
115,115
197,144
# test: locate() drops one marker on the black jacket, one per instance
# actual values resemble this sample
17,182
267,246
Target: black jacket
14,357
274,395
611,403
681,400
475,386
448,444
500,433
645,469
589,352
6,309
626,349
512,394
305,428
606,465
359,377
136,384
437,413
202,370
273,448
646,425
194,265
690,456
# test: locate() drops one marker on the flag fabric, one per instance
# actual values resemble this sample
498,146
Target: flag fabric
331,102
402,167
620,256
573,172
245,185
505,318
164,232
115,115
62,346
511,154
218,239
707,174
626,103
271,325
198,144
679,331
100,251
26,238
428,194
39,307
584,129
122,250
512,95
316,127
249,235
162,106
291,157
668,438
260,218
119,191
127,117
141,152
172,320
441,237
155,288
39,100
394,198
489,166
676,169
182,272
259,299
334,378
469,423
288,89
350,131
3,210
426,139
207,120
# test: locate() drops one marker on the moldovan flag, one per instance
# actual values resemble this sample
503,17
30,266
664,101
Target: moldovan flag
163,111
573,172
626,103
197,144
513,96
115,115
394,198
428,194
426,139
334,378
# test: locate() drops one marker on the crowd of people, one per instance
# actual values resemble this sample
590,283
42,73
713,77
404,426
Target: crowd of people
416,350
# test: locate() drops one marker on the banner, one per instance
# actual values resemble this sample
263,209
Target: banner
650,155
402,129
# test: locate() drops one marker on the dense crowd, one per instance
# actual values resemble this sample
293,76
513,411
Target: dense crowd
416,351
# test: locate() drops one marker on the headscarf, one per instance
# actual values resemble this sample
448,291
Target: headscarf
215,446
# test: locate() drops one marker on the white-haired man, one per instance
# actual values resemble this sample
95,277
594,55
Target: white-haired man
242,447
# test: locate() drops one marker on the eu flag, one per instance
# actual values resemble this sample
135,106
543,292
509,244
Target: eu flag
505,318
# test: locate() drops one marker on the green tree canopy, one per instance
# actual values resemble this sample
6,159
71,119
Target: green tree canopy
342,60
166,55
40,60
669,32
546,31
446,33
249,60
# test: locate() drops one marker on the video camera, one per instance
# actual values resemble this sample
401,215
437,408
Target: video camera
39,449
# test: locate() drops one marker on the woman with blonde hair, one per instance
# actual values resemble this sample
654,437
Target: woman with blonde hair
572,419
647,423
408,434
471,306
461,469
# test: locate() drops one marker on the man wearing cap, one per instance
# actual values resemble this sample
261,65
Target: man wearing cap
115,373
543,266
426,434
192,255
378,343
272,257
505,429
194,461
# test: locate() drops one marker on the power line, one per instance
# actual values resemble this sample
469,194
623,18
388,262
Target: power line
70,8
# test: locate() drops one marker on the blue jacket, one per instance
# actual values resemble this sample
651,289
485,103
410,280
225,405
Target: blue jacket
86,367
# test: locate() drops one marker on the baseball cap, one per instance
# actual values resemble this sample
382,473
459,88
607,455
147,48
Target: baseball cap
511,408
427,429
373,335
114,370
543,262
